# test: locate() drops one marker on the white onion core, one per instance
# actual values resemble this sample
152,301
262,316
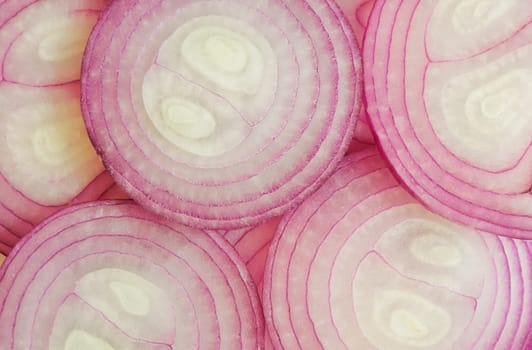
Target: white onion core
81,340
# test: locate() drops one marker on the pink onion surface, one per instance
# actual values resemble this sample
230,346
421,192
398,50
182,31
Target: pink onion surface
46,159
220,114
362,265
357,13
449,93
109,275
114,192
357,145
252,244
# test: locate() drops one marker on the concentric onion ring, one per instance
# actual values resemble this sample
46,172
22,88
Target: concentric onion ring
109,275
220,114
46,159
449,93
362,265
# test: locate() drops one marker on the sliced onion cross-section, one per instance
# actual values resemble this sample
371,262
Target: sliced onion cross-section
110,275
46,159
449,94
221,114
362,265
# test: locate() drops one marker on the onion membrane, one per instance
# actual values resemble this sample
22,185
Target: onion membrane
448,89
362,265
109,275
220,114
46,161
357,13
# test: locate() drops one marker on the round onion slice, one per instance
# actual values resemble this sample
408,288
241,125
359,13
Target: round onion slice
362,265
109,275
46,158
449,92
357,13
220,114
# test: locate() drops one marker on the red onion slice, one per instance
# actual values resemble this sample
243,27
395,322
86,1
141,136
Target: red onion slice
220,114
109,275
362,265
47,161
448,91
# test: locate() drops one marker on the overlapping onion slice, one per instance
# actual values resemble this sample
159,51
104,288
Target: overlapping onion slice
357,13
220,114
109,275
449,92
362,265
46,159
